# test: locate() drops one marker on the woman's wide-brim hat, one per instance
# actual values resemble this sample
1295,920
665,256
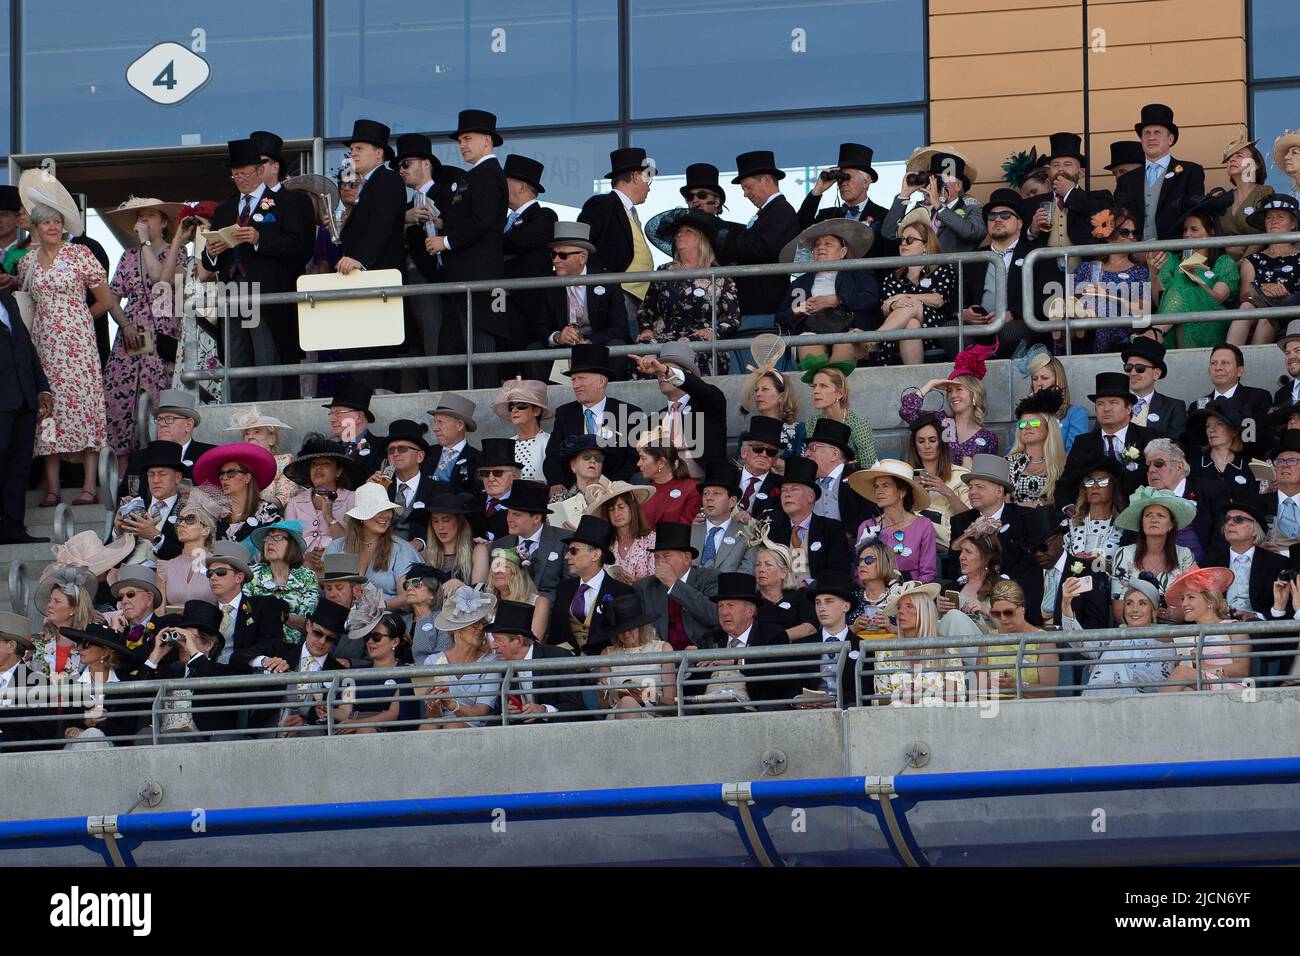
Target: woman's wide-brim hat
255,458
1182,510
252,417
603,494
1198,579
1276,201
856,235
922,159
1221,409
625,613
63,576
1289,138
910,589
466,606
810,365
98,634
292,528
661,230
1241,141
863,481
124,216
528,391
299,470
372,498
38,186
88,550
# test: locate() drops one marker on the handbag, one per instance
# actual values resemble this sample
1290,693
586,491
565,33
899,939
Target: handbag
828,322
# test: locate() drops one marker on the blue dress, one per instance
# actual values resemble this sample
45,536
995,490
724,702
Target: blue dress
1074,424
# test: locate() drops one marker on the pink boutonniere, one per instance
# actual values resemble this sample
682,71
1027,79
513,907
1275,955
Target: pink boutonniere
266,203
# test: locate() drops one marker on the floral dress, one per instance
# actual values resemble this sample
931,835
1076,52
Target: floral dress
1124,285
127,376
203,295
639,559
942,280
673,310
301,593
983,442
64,335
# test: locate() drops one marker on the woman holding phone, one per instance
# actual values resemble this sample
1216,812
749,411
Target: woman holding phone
326,477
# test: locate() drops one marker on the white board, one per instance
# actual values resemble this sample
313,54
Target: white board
351,323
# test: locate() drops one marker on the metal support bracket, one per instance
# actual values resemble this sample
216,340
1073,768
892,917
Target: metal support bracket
881,789
105,828
741,796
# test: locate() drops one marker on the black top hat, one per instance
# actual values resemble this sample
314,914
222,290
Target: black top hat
1005,199
100,634
159,454
1276,201
801,471
1113,385
1289,440
352,394
203,616
596,532
331,616
673,536
528,496
833,581
626,160
722,475
735,586
243,152
1067,146
574,444
497,453
1125,152
299,470
702,176
857,156
766,429
478,121
830,432
450,503
268,143
947,162
755,162
1157,114
1038,525
513,617
1219,408
408,430
9,199
589,358
526,170
415,146
372,132
1144,347
625,613
1251,508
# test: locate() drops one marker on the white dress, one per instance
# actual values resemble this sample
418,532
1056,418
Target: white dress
531,452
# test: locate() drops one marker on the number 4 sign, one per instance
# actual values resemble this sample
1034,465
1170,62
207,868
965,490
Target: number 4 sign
168,73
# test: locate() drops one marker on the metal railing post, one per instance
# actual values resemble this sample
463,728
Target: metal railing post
154,709
329,708
225,340
189,345
469,340
713,321
506,680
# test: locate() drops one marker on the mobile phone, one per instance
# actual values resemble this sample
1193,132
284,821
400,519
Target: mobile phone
918,472
954,597
979,309
1085,584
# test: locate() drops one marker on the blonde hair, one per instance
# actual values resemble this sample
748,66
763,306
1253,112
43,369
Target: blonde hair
522,589
1217,602
645,634
840,381
707,256
886,563
1008,591
789,581
979,401
927,614
787,404
462,547
1053,452
206,521
1063,383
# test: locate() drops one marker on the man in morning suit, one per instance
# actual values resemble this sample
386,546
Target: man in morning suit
1162,416
591,413
267,257
616,229
1251,405
578,614
762,240
538,544
695,418
413,489
1004,218
856,175
529,230
678,593
721,541
1115,438
1156,193
453,460
824,541
577,314
760,487
737,600
511,631
25,399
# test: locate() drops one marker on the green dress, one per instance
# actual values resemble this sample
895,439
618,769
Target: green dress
1181,294
861,438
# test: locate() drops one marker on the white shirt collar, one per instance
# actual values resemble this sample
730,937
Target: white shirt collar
997,515
460,446
256,194
836,472
1148,396
746,475
840,635
709,525
483,160
1248,554
1181,488
319,659
624,198
413,482
596,581
167,503
366,177
1281,498
529,656
1228,394
742,638
769,201
1119,436
520,211
598,409
536,536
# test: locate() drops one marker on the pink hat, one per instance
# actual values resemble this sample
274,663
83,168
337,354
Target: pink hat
253,457
1198,579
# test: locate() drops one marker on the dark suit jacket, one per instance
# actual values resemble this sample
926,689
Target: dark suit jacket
770,502
259,630
873,216
464,474
564,701
277,261
1130,191
606,311
1080,206
547,565
598,635
1210,497
21,375
813,676
709,407
1283,394
769,635
301,205
620,457
528,255
1089,448
699,614
1265,566
414,235
611,231
1170,417
473,223
413,523
828,543
973,286
858,293
1250,404
776,225
1013,549
44,726
373,233
292,654
172,667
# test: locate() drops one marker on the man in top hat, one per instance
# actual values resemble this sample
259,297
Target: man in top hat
471,245
1281,507
430,184
350,421
405,449
832,599
736,598
196,652
453,460
511,631
828,447
945,177
15,680
315,653
1115,437
1162,416
1250,404
1125,156
1070,222
760,446
372,235
696,416
267,257
592,412
854,174
678,592
762,239
247,625
578,314
540,545
160,465
1288,391
577,614
702,190
1157,193
1044,538
271,148
720,541
616,229
824,541
1004,221
25,399
529,229
498,470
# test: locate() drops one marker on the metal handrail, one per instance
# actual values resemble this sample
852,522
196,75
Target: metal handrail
191,376
18,586
64,523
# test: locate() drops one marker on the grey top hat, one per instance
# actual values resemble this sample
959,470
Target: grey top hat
991,468
573,234
15,627
343,567
175,400
679,353
137,575
1292,333
232,553
457,406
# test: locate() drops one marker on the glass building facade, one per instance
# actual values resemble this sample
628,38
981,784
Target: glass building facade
1274,72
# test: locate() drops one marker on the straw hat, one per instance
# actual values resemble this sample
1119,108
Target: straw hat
251,417
910,589
601,494
1182,510
1198,579
87,550
1289,138
922,159
857,236
371,499
1239,142
530,391
124,216
38,186
863,481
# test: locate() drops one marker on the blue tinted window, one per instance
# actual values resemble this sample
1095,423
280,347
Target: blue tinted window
76,56
692,58
414,66
1275,110
1274,26
5,101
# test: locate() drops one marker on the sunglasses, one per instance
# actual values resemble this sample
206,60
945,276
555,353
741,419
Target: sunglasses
401,449
556,254
406,164
129,595
898,548
1029,423
572,550
764,450
414,583
1003,214
374,636
591,456
218,572
1238,519
1011,613
1157,464
1126,233
701,195
232,472
1096,482
867,559
519,406
908,240
188,519
1134,367
493,472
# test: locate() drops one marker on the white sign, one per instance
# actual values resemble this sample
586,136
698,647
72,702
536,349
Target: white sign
168,74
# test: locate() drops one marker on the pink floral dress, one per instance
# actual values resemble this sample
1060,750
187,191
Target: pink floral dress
64,335
127,376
